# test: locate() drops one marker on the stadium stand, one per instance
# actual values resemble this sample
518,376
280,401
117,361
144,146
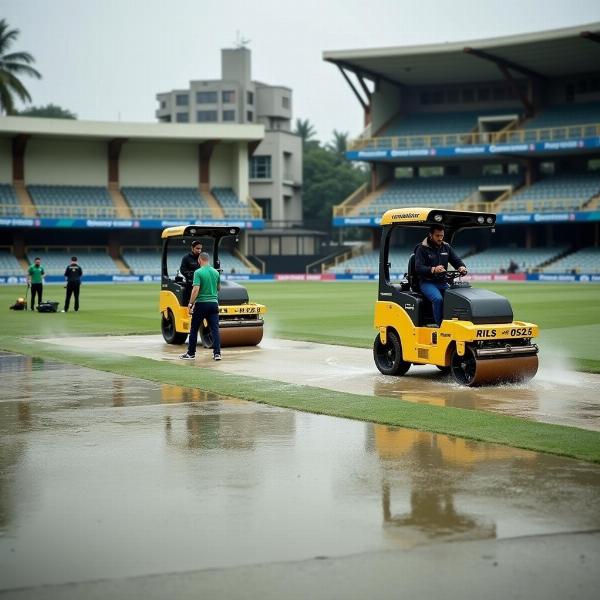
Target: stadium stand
495,260
146,261
166,202
558,192
562,122
232,207
71,201
369,261
437,125
9,265
585,260
9,203
432,191
93,261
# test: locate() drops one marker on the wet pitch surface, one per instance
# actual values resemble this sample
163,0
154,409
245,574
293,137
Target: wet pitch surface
555,395
105,478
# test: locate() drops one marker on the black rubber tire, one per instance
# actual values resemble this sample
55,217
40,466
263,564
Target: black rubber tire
170,334
388,357
444,370
463,368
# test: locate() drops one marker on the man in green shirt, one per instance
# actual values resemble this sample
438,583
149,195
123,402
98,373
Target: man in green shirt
35,279
204,304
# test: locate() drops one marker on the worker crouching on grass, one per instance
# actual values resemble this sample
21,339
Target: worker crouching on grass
204,304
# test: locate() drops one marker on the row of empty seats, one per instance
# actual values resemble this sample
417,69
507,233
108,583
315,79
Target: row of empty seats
424,129
9,203
71,200
9,265
492,260
558,192
146,261
585,260
433,191
55,201
92,261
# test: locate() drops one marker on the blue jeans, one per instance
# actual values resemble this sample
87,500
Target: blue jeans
434,292
210,312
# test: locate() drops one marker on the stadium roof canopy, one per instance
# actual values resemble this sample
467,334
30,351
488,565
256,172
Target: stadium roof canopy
108,130
546,54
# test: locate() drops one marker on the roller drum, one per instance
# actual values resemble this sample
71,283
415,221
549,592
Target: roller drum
474,371
238,333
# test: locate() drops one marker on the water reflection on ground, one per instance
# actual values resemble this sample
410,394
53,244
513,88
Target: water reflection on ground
104,476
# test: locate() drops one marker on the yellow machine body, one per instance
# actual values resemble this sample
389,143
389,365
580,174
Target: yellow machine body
427,345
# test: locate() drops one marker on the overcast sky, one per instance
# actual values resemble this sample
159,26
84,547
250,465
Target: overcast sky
107,59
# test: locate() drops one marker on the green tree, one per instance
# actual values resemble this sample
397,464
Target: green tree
50,111
327,181
339,143
11,66
305,130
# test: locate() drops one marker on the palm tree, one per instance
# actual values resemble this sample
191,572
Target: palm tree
339,143
305,130
11,65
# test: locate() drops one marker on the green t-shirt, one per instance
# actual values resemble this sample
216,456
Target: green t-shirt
36,273
208,279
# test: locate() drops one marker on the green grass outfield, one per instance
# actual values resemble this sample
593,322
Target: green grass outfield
329,312
339,313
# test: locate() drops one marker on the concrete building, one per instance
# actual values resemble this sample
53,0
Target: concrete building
275,167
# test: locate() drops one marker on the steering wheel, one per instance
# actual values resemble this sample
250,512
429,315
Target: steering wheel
452,275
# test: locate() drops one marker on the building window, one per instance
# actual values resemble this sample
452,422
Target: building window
250,115
182,99
265,204
163,104
285,102
183,117
228,96
207,116
206,97
260,167
250,97
229,115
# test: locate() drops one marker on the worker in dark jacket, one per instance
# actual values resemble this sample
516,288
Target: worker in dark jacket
432,256
189,263
73,275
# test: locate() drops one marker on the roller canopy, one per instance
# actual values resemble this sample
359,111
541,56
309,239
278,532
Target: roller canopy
423,217
199,231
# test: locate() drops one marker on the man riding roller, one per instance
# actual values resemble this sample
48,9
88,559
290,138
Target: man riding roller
431,263
189,263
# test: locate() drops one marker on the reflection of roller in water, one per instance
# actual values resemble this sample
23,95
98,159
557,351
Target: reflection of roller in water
479,398
433,462
209,425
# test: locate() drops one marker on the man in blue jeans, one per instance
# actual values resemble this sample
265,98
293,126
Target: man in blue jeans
204,304
432,256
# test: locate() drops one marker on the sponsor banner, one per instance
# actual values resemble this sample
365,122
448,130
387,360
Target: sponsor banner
501,218
304,276
565,277
126,223
472,150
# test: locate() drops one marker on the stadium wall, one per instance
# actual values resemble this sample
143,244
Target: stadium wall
385,104
221,163
158,164
5,160
58,162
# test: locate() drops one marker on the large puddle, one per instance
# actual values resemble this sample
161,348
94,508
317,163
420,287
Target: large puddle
103,476
556,395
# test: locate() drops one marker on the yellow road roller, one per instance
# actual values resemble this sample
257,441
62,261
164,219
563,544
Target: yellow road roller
478,341
240,321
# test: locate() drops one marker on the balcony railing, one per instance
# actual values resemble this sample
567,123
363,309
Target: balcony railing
514,136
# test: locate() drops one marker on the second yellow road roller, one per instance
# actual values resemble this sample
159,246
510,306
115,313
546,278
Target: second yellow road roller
478,341
240,321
